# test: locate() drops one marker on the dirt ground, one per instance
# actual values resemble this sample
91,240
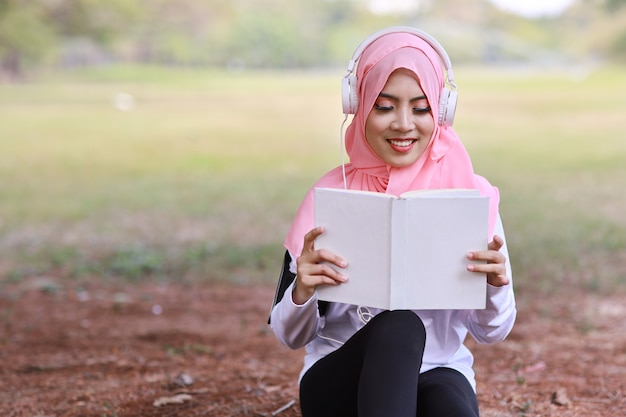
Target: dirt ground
88,349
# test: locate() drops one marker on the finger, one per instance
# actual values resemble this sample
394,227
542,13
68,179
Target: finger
498,280
496,273
309,239
327,256
495,269
496,243
498,268
315,274
320,256
330,275
489,256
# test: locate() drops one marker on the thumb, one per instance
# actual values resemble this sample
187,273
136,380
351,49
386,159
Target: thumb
496,243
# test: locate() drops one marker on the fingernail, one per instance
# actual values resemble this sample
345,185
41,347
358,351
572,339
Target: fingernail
470,267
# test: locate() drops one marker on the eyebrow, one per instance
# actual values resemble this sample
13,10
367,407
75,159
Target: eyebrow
392,97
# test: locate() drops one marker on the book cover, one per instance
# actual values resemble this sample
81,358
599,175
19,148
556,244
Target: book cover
404,252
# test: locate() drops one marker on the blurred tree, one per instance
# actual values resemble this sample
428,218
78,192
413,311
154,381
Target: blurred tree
284,33
596,28
101,20
175,31
25,36
31,31
615,4
278,33
617,47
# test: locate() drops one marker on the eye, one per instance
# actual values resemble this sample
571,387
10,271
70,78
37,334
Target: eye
380,107
420,110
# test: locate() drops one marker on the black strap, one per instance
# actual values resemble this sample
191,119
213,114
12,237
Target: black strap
284,281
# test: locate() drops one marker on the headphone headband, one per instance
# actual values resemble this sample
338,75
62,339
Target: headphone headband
434,43
447,103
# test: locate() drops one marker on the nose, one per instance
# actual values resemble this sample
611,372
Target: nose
403,121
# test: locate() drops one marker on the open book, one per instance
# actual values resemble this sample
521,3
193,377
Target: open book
406,252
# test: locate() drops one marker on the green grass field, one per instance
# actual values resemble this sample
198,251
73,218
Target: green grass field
200,179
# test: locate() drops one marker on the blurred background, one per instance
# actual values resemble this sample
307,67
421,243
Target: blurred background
278,34
172,140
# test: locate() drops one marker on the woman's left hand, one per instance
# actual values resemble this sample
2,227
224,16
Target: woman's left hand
495,266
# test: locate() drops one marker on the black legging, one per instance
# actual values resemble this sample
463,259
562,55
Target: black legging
376,374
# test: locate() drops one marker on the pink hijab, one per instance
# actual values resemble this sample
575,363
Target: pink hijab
445,162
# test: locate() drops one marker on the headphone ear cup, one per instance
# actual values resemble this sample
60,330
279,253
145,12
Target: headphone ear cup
349,95
447,106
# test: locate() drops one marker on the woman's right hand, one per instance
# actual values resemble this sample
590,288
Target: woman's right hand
312,272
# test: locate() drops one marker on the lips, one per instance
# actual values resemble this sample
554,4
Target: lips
402,145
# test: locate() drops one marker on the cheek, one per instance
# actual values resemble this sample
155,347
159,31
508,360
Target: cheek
374,126
428,127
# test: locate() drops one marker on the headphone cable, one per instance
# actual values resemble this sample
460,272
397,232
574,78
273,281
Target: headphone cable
341,149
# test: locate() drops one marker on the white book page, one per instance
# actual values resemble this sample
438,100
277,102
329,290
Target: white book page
358,229
441,232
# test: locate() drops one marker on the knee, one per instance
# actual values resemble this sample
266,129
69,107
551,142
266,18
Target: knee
402,327
401,319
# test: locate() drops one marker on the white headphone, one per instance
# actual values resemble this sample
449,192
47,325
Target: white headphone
447,99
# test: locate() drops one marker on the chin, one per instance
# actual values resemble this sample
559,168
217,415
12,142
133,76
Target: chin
402,163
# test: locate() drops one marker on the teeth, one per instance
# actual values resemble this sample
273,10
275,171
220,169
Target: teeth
398,142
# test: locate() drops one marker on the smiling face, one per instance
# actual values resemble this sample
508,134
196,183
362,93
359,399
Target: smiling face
401,123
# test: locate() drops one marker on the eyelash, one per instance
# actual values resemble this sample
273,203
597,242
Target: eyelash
416,110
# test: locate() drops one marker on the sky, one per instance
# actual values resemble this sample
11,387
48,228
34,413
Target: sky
533,8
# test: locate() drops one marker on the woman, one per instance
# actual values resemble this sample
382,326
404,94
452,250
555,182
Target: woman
367,362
